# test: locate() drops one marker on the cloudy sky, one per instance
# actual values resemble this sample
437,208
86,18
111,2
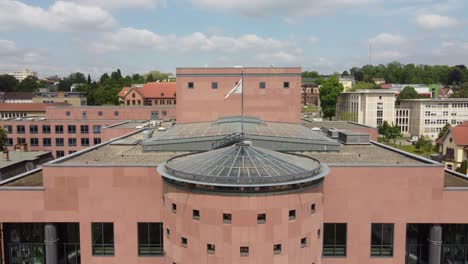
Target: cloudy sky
95,36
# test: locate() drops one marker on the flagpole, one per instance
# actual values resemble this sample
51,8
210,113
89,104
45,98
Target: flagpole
242,105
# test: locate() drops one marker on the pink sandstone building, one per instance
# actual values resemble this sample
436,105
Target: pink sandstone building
202,192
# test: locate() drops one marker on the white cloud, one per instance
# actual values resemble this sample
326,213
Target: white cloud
312,40
455,45
124,3
435,21
7,47
387,39
59,16
131,38
285,8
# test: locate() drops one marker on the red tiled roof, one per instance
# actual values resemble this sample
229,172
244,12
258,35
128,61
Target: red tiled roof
124,91
460,134
386,86
158,90
25,107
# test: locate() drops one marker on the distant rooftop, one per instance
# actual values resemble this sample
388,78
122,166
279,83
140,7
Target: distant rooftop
33,179
333,124
21,156
436,100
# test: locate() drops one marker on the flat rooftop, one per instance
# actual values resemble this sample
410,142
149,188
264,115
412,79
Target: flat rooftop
363,154
33,179
21,156
124,151
276,136
333,124
451,179
128,151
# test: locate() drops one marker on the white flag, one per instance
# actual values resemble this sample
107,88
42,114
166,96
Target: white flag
237,89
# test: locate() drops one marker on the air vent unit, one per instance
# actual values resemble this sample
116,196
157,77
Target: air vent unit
353,138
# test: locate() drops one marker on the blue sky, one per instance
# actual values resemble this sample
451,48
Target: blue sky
96,36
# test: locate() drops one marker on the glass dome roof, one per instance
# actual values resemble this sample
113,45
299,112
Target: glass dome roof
242,165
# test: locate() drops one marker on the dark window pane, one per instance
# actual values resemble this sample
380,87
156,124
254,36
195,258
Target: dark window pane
142,233
108,233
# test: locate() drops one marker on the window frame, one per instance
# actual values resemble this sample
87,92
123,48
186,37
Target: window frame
71,131
381,245
286,85
153,249
334,245
59,131
262,85
214,85
102,245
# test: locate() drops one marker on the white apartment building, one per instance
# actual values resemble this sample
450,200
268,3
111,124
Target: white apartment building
367,107
21,75
428,116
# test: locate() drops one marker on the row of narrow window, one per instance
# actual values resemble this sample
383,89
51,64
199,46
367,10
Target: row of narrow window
227,217
244,251
46,129
59,142
214,85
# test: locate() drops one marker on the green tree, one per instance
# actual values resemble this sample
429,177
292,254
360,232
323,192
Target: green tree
463,91
8,83
345,74
384,130
329,92
444,130
364,86
394,132
149,78
157,75
408,93
455,76
359,76
310,74
463,167
89,79
28,84
3,139
424,145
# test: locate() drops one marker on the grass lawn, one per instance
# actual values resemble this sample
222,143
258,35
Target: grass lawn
309,109
408,148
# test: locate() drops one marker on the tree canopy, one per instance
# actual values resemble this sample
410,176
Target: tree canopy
3,139
396,72
364,86
329,92
8,83
389,132
408,93
444,130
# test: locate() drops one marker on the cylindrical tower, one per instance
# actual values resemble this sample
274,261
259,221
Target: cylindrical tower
243,204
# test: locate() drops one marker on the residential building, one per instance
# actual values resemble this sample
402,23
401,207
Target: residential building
8,111
16,97
429,116
367,107
347,82
72,98
454,146
378,81
21,75
402,119
153,93
309,92
64,130
268,91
